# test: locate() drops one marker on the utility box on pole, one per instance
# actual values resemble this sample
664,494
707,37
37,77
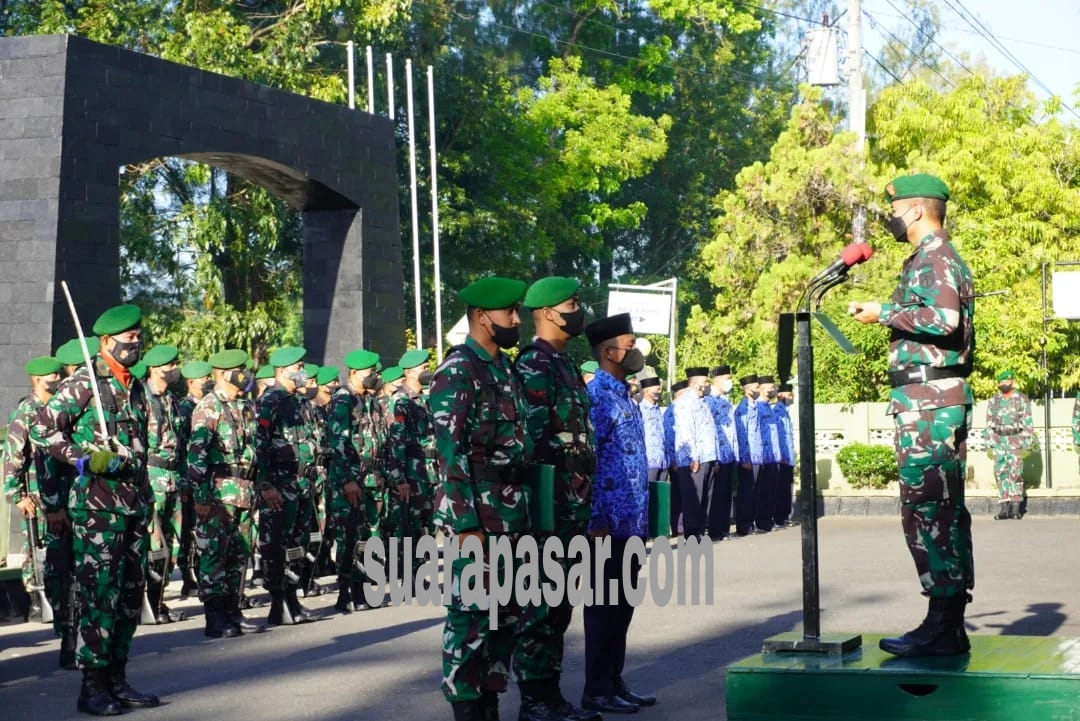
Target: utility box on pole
822,56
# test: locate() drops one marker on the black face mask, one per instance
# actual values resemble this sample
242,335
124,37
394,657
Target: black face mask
425,377
371,381
308,393
171,376
127,354
1005,387
51,386
574,322
898,227
237,378
207,387
632,361
505,337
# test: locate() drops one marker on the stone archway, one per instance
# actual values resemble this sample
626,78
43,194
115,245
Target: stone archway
72,112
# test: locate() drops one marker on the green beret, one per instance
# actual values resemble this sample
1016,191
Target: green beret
413,358
590,367
43,366
229,358
1005,375
326,374
139,370
361,359
312,370
392,374
160,355
916,186
492,293
378,366
264,373
287,356
196,369
117,320
70,353
551,291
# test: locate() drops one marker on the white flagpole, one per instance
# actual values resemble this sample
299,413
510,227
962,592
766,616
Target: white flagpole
352,77
435,215
412,189
370,82
390,84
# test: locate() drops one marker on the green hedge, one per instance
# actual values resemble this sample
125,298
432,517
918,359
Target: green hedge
866,466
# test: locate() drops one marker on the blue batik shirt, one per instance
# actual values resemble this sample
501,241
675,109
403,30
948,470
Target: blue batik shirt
695,433
669,436
748,433
787,434
620,500
653,419
723,413
770,432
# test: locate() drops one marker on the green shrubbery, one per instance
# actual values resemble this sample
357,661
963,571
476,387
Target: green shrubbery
866,466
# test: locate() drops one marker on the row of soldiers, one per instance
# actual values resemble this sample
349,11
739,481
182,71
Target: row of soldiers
123,478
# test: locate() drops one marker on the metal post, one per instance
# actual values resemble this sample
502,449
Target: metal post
412,193
674,330
390,85
808,479
352,76
370,82
1046,389
435,216
857,102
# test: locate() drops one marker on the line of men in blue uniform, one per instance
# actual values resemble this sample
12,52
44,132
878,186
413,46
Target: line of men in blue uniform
714,447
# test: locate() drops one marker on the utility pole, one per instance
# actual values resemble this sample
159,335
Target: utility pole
857,101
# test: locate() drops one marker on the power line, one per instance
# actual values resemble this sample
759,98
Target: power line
932,38
883,66
916,58
949,26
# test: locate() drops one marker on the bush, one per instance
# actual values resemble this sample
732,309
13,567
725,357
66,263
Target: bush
866,466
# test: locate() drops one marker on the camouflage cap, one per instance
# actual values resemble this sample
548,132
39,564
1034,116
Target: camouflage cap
287,356
492,293
551,291
160,355
590,367
916,186
43,366
413,358
139,370
326,374
229,358
196,369
264,373
392,374
1006,375
118,319
70,353
361,359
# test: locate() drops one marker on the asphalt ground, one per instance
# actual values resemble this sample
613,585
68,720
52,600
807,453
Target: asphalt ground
385,663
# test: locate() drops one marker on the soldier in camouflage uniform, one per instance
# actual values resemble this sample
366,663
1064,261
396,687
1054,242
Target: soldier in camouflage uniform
280,438
930,355
352,483
482,446
310,479
562,437
163,468
410,432
109,507
264,380
1009,433
33,485
322,540
196,376
221,456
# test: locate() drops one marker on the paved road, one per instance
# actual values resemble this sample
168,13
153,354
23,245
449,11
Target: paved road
384,664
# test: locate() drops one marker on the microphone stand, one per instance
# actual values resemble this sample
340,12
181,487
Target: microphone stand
812,641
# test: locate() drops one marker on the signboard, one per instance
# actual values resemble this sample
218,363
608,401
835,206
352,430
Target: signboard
1066,299
650,312
459,332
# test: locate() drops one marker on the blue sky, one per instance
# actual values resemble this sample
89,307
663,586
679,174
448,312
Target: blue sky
1041,34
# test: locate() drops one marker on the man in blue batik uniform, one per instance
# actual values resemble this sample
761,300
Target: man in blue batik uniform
768,475
695,451
678,390
653,419
749,441
785,489
620,511
718,504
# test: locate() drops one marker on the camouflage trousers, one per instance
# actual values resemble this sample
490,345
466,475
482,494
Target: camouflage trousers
167,523
931,447
1008,471
225,542
188,550
475,659
282,533
404,520
538,647
109,551
349,525
58,573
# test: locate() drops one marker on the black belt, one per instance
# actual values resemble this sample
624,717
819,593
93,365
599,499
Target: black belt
922,374
155,462
1010,432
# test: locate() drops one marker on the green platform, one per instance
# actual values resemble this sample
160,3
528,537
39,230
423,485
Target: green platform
1013,678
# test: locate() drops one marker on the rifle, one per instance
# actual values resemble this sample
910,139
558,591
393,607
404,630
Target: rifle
37,563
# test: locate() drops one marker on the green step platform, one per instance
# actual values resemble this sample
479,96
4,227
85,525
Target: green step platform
1004,678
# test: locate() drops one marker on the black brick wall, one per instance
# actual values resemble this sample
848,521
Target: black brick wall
72,112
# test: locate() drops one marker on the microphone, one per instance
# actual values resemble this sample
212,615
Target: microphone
852,254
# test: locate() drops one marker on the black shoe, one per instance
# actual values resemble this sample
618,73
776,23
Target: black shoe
489,706
1014,510
571,712
359,603
167,615
940,634
122,691
217,620
468,711
314,589
191,584
344,599
297,611
535,709
1004,512
278,615
67,649
608,704
624,692
237,619
94,696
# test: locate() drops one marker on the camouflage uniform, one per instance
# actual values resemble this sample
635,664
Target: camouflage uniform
562,436
187,561
163,469
1009,433
933,416
221,454
479,412
311,480
30,471
408,434
109,513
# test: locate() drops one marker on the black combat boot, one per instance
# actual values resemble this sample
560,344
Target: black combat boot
191,584
236,617
298,612
536,697
218,624
344,597
1014,510
94,697
279,615
122,691
940,634
489,705
68,646
1004,512
468,711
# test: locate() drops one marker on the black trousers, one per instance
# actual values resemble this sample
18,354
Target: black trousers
606,626
765,491
718,501
745,500
785,489
692,491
